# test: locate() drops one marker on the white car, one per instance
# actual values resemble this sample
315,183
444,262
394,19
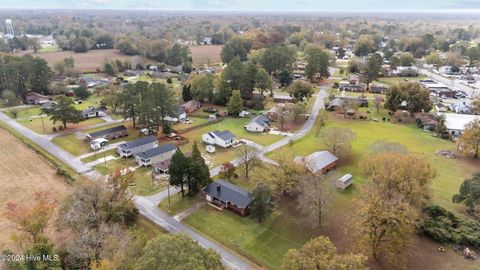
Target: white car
98,143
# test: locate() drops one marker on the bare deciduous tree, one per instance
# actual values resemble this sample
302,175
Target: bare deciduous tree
338,140
314,194
248,158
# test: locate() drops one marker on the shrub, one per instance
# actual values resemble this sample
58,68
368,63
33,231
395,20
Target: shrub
169,80
444,227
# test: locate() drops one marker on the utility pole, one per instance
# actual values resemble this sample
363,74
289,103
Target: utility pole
168,191
153,177
43,125
104,157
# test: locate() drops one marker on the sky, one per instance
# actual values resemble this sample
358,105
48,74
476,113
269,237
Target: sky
251,5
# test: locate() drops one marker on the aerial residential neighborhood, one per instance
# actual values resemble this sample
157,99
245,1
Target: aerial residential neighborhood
294,135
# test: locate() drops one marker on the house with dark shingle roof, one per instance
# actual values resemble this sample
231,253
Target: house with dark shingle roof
155,155
259,123
109,133
221,138
228,196
141,145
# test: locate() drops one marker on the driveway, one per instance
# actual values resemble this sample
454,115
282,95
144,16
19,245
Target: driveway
148,205
153,213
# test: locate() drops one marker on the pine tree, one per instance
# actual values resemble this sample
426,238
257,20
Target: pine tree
198,172
178,170
235,104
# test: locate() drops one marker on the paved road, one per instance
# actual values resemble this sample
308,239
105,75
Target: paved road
152,212
48,146
148,205
450,82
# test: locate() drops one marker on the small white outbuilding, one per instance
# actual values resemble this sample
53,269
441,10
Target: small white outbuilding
345,181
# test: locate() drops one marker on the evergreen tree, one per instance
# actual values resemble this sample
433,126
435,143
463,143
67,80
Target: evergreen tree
260,205
235,104
198,172
186,93
178,170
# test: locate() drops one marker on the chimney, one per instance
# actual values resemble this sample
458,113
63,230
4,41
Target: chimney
219,188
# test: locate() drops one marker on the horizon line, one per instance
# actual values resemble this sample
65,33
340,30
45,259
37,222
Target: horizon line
417,11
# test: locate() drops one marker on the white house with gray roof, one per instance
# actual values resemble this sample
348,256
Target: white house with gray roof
223,139
141,145
155,155
258,124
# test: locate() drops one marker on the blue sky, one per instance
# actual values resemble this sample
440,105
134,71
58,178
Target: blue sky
252,5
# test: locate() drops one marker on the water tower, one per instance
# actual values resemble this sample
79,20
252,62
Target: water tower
9,33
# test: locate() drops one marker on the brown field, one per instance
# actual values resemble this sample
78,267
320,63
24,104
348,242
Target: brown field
22,173
84,62
206,54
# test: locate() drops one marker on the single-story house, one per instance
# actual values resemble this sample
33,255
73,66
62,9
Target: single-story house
461,107
191,106
282,98
456,123
378,89
109,133
221,138
140,145
162,167
335,104
259,123
131,72
178,116
352,88
344,181
228,196
155,155
320,162
47,105
93,112
440,107
36,98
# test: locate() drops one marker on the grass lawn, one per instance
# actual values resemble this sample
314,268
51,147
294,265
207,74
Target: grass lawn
396,80
179,204
99,155
25,112
77,147
92,100
264,243
234,125
450,172
49,49
143,176
196,121
35,124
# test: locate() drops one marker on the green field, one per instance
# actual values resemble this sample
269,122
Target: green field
264,243
24,112
450,172
36,125
234,125
78,147
143,175
178,203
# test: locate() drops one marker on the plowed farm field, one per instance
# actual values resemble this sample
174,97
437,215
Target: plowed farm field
22,173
